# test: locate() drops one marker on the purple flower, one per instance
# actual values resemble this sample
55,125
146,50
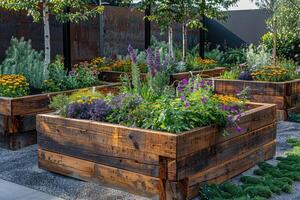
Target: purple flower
132,54
182,98
209,83
185,81
99,110
204,100
149,57
239,129
202,84
230,118
239,117
187,104
79,111
179,87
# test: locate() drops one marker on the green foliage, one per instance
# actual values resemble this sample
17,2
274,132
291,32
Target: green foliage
61,104
233,56
257,57
22,59
233,74
286,46
79,9
269,180
59,80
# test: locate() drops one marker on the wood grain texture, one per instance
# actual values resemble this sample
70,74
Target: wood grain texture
102,174
17,116
209,73
285,95
175,162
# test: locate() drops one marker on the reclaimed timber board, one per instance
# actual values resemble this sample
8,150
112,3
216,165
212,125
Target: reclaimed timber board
230,168
18,116
285,95
171,164
208,73
114,76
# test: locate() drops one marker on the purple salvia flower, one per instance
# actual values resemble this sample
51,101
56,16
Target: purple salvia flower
132,54
230,118
204,100
239,129
209,83
202,84
185,81
179,88
149,57
187,104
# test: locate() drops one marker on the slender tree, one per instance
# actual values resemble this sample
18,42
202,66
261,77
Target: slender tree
188,13
41,9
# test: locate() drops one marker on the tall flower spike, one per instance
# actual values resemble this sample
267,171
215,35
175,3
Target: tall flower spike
157,59
132,54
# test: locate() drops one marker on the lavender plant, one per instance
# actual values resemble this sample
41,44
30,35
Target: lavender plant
99,110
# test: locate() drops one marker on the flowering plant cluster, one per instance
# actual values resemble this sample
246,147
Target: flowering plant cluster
193,104
13,86
271,74
82,75
198,63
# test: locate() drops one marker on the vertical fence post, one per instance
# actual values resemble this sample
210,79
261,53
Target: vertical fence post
67,42
147,28
202,35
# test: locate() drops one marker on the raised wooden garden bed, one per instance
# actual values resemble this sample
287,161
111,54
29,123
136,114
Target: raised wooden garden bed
152,163
286,95
17,117
113,77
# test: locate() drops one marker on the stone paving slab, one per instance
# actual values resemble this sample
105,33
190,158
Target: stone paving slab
12,191
20,167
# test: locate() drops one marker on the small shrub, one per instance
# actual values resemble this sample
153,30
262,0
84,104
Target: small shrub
13,86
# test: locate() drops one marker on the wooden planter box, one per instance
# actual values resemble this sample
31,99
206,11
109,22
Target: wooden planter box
152,163
17,117
286,95
113,77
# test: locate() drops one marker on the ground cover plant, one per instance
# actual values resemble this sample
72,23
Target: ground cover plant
269,180
23,72
153,104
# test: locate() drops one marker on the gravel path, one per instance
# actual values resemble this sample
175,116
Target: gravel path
21,167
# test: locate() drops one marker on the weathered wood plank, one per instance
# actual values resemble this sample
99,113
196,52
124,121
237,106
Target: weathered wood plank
223,151
230,168
209,73
5,106
102,174
197,139
146,141
254,87
136,161
35,104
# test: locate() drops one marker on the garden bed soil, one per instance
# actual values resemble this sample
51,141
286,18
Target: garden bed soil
17,116
153,163
286,95
113,77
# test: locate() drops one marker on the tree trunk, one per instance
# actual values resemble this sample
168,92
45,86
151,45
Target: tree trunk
274,51
184,41
170,42
46,32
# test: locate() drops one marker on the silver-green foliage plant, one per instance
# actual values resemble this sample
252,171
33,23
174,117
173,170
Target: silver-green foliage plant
258,57
21,58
